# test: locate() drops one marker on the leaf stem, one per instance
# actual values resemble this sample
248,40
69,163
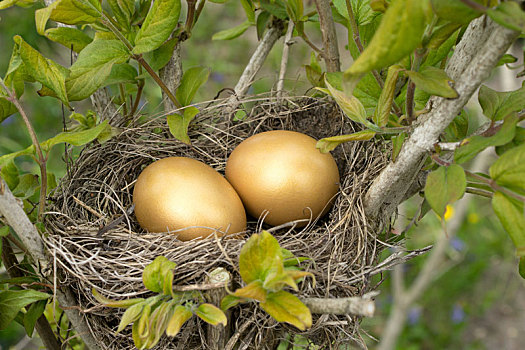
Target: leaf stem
190,17
41,159
411,89
479,192
312,45
140,88
123,98
357,39
140,60
495,186
198,12
475,5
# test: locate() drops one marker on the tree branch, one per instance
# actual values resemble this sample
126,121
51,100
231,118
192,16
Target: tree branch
474,58
403,299
171,75
256,61
15,217
284,60
326,21
341,306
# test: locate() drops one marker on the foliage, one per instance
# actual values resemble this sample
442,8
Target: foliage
165,312
266,269
400,49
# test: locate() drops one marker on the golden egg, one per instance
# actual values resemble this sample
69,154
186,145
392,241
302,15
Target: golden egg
179,193
283,173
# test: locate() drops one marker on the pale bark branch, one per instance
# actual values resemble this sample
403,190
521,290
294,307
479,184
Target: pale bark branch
171,75
284,59
331,49
341,306
257,60
15,217
403,299
479,51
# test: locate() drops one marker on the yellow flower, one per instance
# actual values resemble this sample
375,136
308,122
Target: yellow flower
449,213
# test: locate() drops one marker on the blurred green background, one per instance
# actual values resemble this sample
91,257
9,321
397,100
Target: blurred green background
478,302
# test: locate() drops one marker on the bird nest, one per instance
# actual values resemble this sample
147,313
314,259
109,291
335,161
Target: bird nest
97,241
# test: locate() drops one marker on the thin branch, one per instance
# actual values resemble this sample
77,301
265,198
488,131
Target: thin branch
482,45
327,24
357,39
171,73
429,272
411,89
15,217
41,159
495,186
284,59
190,17
341,306
256,61
475,5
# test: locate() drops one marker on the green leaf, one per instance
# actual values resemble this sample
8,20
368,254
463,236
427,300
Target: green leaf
191,81
45,71
232,33
140,330
445,186
471,146
71,38
211,314
156,273
9,172
510,213
351,106
115,303
506,59
131,315
275,7
160,57
32,315
93,67
69,12
122,73
254,290
262,20
11,301
433,81
249,10
454,11
260,255
20,3
178,124
159,322
123,11
363,13
230,301
397,143
329,143
509,169
508,14
521,268
399,33
27,186
497,105
441,35
75,138
436,56
295,10
180,315
285,307
160,22
458,129
6,109
386,99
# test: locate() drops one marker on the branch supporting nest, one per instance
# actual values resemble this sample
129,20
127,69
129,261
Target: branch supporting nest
477,54
341,306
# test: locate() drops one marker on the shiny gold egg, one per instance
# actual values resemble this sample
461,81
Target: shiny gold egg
283,173
189,197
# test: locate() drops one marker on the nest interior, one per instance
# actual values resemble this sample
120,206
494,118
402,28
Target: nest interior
341,248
